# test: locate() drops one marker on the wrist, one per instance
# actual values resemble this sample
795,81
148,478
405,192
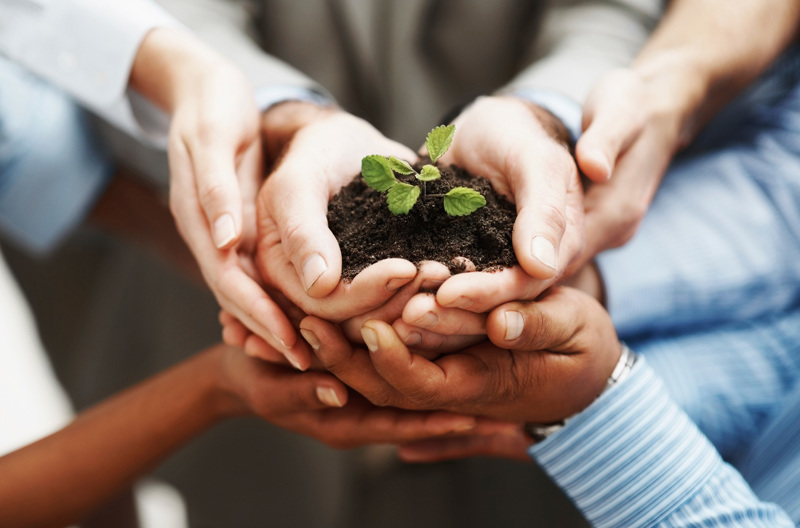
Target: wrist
170,63
678,86
549,124
225,399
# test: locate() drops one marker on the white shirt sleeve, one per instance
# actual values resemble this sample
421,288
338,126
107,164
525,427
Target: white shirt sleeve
87,48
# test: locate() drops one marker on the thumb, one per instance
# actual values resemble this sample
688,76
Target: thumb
610,124
548,324
300,216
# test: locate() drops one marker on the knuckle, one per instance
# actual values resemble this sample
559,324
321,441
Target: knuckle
382,399
536,329
554,217
213,193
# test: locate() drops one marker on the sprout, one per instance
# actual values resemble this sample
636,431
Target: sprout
378,173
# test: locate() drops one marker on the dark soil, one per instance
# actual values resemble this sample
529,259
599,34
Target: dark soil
368,232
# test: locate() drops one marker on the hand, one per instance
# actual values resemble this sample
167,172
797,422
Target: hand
216,166
547,360
296,250
633,127
234,333
318,405
514,144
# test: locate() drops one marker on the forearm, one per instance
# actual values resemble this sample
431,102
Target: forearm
60,479
706,51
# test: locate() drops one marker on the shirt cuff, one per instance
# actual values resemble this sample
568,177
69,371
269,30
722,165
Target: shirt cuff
93,60
632,457
268,96
563,107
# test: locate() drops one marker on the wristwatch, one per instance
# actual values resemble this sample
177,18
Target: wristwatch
627,358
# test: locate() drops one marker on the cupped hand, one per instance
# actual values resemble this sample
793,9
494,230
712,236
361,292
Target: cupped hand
553,359
234,333
296,250
520,149
215,169
632,129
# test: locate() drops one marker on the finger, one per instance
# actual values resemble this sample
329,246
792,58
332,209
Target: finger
256,347
480,292
550,323
512,446
431,345
369,289
610,125
242,297
429,277
293,392
299,209
236,292
424,312
351,365
421,383
359,423
541,219
234,332
218,186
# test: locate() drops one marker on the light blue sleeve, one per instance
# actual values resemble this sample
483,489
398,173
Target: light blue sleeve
633,458
52,167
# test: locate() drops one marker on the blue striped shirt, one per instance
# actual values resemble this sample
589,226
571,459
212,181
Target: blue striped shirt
634,458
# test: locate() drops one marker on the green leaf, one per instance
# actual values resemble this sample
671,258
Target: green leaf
462,201
377,173
429,173
400,166
402,197
438,141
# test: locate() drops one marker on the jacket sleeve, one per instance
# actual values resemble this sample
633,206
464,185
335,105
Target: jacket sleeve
87,48
579,42
633,458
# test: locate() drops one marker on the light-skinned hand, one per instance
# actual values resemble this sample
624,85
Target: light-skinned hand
215,171
296,250
520,149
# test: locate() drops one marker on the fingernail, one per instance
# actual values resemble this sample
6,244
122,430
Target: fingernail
328,396
607,164
514,324
543,250
370,338
396,283
311,338
413,338
427,320
294,361
224,230
313,268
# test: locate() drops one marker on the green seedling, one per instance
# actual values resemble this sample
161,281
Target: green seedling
378,173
